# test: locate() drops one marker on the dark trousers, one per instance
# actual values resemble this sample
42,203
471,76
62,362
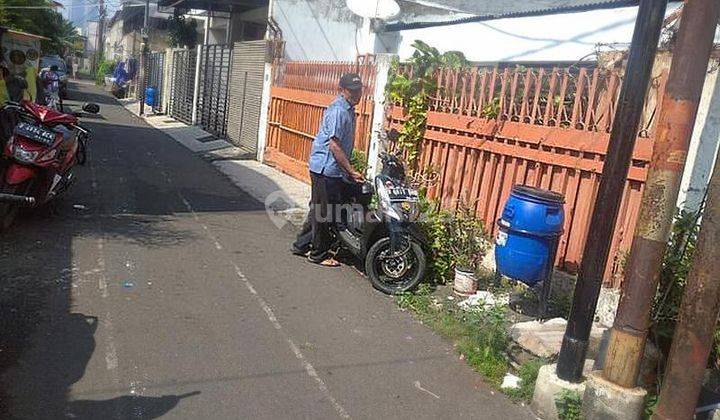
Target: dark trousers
326,194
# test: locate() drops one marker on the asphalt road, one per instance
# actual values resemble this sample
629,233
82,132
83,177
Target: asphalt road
156,288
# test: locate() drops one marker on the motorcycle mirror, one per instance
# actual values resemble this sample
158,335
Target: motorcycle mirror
91,108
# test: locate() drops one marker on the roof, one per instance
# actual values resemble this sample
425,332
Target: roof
22,34
215,5
427,13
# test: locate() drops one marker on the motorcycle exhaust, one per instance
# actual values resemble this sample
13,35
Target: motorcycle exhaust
17,199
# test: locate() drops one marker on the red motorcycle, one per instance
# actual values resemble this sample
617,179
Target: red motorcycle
40,154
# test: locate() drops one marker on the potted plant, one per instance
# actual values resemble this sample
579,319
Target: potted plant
468,247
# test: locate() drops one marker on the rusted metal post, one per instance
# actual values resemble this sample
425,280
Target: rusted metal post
617,162
674,130
697,319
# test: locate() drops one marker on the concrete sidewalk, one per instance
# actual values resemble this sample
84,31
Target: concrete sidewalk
285,195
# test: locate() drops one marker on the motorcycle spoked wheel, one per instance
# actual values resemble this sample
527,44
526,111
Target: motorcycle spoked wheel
395,274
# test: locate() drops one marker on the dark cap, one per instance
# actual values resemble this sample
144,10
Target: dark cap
351,81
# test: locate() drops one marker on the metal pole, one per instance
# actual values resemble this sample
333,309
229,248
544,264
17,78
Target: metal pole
615,169
143,57
674,130
698,316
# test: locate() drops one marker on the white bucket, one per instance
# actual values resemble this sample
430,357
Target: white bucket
465,283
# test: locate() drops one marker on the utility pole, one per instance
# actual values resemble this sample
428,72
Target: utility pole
674,130
698,317
144,57
99,43
615,169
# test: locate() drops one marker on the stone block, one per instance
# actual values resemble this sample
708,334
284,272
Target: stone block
604,400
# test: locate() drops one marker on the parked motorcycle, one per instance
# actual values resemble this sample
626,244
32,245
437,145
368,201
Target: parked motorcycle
40,155
386,238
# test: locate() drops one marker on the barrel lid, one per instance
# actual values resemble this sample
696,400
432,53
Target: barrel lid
539,194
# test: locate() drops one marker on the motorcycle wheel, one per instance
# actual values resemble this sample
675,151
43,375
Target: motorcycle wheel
394,275
8,211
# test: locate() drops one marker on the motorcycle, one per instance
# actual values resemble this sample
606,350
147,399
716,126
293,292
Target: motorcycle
386,238
40,155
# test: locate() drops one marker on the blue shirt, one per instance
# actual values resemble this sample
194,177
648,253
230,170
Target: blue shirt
338,122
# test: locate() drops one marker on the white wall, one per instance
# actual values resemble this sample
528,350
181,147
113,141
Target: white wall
323,30
559,37
704,144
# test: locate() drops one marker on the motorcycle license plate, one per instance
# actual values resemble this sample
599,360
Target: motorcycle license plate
36,133
403,194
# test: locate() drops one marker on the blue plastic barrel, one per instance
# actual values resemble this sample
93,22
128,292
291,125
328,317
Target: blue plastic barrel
529,229
151,96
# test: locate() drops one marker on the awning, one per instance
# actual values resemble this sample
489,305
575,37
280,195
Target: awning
215,5
416,14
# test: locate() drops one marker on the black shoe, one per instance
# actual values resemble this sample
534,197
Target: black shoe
297,251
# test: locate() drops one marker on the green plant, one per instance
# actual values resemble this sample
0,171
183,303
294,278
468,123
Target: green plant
105,67
651,402
434,225
675,268
359,161
414,93
480,336
467,241
491,109
182,32
528,373
569,405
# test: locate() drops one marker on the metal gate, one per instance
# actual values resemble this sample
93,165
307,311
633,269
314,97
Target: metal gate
156,66
246,89
212,107
183,85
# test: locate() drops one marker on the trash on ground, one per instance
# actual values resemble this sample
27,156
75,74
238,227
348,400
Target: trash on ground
128,284
79,207
510,381
483,299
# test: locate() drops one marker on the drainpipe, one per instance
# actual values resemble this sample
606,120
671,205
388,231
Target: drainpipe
383,62
674,131
612,184
267,86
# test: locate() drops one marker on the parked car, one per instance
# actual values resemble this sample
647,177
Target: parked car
55,60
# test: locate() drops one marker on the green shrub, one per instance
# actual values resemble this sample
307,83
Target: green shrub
480,336
359,161
434,225
569,405
105,67
528,373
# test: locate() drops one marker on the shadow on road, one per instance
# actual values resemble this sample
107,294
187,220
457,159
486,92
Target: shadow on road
45,346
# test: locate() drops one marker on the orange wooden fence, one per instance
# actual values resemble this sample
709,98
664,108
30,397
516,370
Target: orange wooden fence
300,94
489,130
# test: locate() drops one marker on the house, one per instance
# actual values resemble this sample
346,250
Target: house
123,33
223,21
496,31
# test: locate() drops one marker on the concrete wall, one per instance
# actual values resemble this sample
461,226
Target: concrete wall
317,30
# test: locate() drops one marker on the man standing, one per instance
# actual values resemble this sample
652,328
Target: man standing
330,169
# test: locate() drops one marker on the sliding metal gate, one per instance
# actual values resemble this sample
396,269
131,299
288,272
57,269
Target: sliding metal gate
183,85
156,67
212,110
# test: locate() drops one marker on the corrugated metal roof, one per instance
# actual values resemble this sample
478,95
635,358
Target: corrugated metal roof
501,8
427,13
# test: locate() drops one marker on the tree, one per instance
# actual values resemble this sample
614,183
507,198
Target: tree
182,32
35,19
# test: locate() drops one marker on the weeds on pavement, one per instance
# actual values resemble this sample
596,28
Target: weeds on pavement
480,336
